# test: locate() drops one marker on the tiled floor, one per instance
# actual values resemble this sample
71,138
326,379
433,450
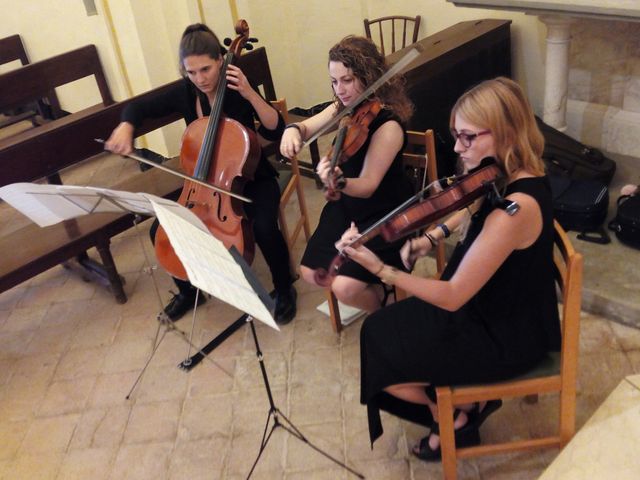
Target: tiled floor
69,356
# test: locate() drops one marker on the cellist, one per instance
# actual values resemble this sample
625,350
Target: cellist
201,59
374,181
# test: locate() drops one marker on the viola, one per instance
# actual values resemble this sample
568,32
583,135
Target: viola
220,151
411,216
352,135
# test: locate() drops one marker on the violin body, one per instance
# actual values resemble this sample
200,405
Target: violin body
236,154
352,135
459,195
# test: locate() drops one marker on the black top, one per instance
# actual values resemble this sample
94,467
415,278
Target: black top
518,305
182,100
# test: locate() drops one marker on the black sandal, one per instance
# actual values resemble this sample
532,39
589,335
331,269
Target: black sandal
477,416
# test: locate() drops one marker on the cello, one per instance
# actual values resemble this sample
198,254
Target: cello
220,151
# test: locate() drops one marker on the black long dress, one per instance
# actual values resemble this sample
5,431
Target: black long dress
336,217
505,329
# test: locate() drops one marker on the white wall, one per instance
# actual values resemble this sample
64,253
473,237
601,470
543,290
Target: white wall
297,35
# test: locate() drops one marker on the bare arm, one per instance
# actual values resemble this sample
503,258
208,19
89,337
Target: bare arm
292,138
236,80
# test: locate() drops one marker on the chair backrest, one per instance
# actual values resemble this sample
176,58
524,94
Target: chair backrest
11,48
255,65
419,156
396,30
569,265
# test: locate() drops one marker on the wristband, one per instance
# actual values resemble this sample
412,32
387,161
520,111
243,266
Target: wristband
380,269
293,125
445,230
432,241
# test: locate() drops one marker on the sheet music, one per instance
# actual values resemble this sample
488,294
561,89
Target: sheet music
50,204
209,264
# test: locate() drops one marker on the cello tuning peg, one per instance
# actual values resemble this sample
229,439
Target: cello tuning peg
248,46
253,40
227,41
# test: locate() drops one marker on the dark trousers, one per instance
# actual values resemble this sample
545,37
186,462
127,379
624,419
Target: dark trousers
263,212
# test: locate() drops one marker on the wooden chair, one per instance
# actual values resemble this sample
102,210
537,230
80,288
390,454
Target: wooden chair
396,29
419,156
255,65
557,373
290,183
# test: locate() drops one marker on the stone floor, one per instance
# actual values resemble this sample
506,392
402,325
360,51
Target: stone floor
69,356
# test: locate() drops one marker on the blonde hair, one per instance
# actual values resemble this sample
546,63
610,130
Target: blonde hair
501,106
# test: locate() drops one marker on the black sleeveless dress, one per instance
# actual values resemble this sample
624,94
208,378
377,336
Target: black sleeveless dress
505,329
336,217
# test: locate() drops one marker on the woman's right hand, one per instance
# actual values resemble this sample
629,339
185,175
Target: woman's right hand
121,139
291,142
413,249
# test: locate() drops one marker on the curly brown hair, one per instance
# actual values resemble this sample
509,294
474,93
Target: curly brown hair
367,64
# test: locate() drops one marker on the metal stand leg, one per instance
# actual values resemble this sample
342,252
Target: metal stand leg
279,419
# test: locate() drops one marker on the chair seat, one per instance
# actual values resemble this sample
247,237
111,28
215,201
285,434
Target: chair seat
284,177
547,367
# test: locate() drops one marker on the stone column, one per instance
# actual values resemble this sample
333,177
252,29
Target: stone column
557,70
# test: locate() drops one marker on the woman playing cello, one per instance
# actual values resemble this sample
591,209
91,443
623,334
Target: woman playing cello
373,179
493,313
201,58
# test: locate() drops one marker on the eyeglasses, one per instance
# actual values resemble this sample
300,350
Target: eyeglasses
466,139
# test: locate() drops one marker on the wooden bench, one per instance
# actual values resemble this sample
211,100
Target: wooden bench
30,83
11,50
60,144
65,142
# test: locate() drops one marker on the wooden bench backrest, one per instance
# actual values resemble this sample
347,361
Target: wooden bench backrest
11,49
33,81
255,65
66,141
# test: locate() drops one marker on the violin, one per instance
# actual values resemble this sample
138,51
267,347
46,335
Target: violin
219,151
352,135
411,216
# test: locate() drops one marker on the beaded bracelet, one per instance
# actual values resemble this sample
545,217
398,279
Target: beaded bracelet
445,230
380,269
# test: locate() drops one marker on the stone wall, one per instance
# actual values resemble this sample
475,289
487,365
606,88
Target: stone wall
603,107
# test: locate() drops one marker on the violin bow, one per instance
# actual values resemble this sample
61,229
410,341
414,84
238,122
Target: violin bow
182,175
406,59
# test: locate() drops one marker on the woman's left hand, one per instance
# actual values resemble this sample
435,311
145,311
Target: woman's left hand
236,80
348,237
364,257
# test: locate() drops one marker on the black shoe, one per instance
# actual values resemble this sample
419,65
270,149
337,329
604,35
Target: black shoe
180,304
285,305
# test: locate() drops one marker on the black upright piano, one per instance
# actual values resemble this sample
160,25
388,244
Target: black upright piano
451,61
